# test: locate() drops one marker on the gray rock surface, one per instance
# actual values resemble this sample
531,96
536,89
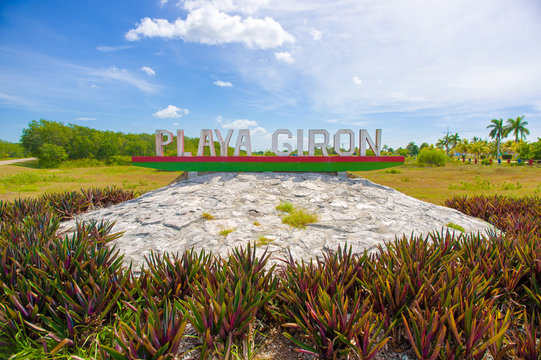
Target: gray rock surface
353,211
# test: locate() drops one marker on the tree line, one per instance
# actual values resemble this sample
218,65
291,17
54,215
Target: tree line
53,142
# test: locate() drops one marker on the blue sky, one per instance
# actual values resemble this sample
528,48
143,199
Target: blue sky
412,68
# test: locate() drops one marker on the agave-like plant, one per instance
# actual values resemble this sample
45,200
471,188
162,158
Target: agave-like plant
170,276
155,332
225,304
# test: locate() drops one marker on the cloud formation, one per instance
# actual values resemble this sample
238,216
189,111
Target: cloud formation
208,25
103,48
85,119
237,6
357,80
149,71
255,129
221,83
284,56
123,75
170,112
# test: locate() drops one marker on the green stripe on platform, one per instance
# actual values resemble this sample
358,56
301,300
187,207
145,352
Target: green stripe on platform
267,166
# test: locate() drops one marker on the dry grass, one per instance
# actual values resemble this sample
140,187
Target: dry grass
436,184
127,177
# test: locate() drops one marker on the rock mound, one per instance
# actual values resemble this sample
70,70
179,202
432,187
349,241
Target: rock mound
353,211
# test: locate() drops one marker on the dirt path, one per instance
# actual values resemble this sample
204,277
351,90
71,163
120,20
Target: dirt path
7,162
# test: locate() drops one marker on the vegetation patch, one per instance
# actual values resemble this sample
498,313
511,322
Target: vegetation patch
432,157
299,218
207,216
256,223
443,296
225,232
455,226
393,171
262,240
285,206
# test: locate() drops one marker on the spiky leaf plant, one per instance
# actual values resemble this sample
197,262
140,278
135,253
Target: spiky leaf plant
169,276
225,303
155,332
332,327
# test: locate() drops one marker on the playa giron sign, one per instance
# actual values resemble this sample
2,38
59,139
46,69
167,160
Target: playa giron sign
345,160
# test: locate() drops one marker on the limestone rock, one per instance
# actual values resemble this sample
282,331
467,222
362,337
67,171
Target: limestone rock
353,211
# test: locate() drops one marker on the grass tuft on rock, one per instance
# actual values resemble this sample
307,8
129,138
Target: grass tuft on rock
285,206
207,216
225,232
299,218
455,226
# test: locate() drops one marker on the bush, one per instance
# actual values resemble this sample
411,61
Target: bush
81,163
432,157
119,160
51,156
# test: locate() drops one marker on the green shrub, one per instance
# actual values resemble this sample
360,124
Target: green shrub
81,163
432,157
51,156
119,160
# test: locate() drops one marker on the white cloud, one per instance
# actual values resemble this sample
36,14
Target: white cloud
170,112
252,125
284,56
162,2
221,83
357,80
316,34
409,56
85,119
103,48
122,75
208,25
148,70
240,124
239,6
258,130
219,119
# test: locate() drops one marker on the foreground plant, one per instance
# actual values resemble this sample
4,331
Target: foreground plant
154,333
226,303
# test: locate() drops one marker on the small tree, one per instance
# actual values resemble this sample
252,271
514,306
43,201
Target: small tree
413,149
51,156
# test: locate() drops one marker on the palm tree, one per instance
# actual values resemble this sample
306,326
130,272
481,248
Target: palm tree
498,132
445,142
463,146
517,127
454,139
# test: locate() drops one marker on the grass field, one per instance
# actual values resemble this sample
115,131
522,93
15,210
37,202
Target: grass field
432,184
23,180
436,184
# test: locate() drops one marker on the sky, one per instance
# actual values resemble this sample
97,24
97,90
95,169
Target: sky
414,69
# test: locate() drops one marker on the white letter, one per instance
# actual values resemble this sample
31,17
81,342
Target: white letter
351,142
243,134
223,144
205,139
160,143
180,144
286,145
300,148
365,138
312,141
